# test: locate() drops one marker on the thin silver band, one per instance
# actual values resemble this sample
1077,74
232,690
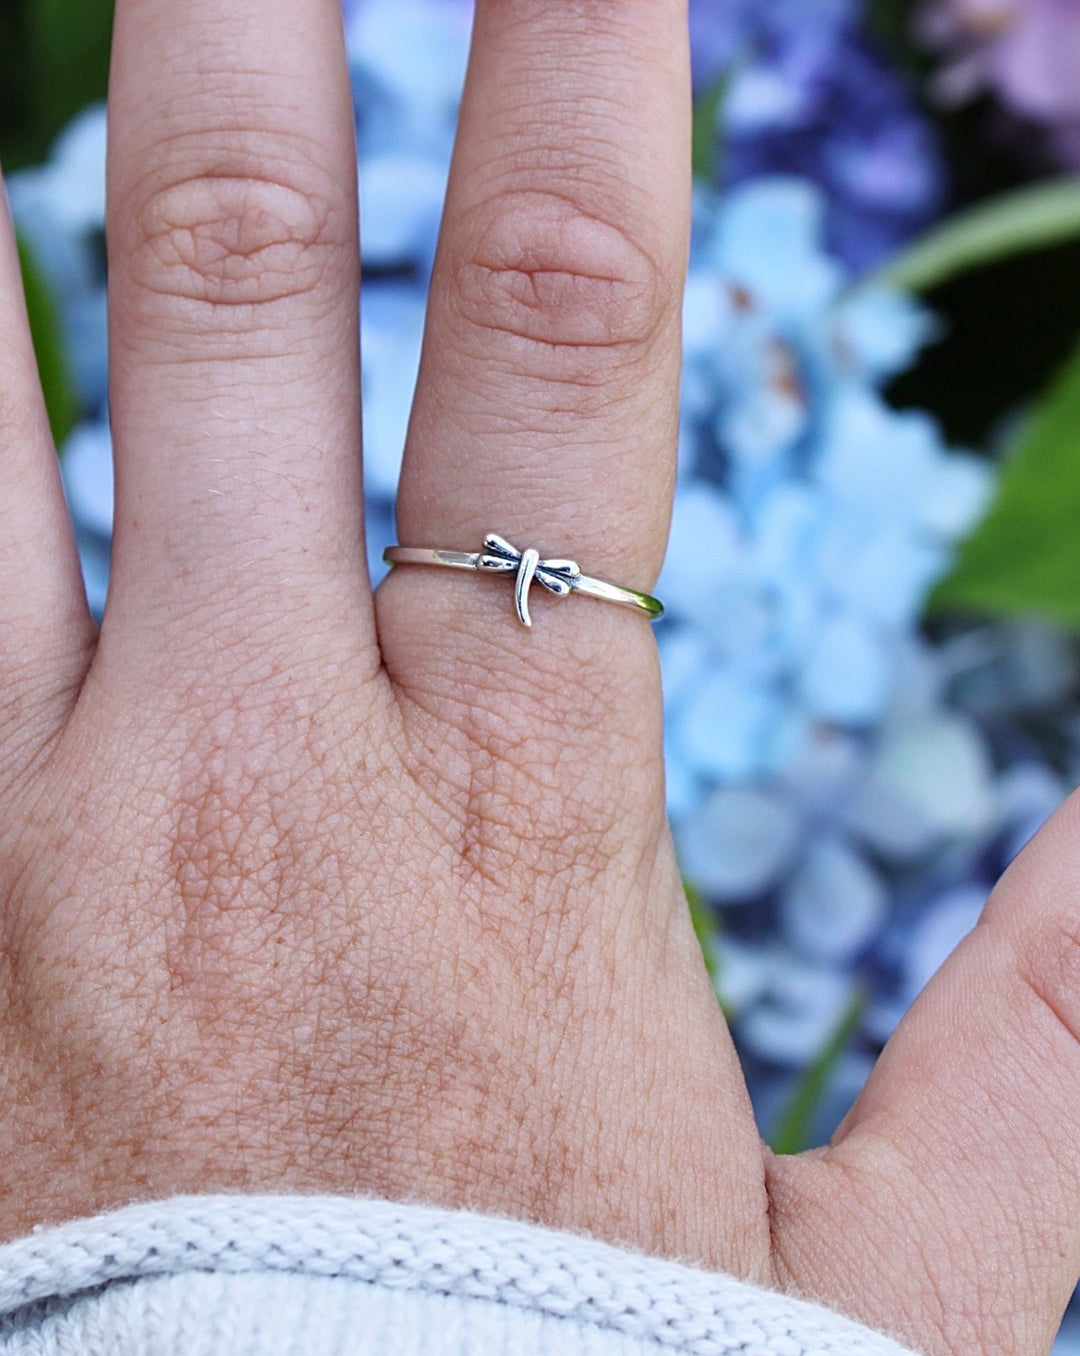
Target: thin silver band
557,576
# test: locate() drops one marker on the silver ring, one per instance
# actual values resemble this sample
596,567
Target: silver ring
557,576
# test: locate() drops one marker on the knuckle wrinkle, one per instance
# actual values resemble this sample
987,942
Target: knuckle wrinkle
539,269
1049,967
233,241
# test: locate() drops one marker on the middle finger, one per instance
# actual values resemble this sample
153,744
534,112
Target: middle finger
233,289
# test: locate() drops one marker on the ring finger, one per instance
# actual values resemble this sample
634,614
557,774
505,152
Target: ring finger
546,404
546,411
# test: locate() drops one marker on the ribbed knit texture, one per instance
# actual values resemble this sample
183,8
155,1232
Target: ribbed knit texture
331,1276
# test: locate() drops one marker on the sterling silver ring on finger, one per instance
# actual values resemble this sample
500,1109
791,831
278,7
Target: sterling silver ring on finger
557,576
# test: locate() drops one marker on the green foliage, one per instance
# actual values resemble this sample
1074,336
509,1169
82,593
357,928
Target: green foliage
705,131
1025,555
704,927
14,81
70,40
794,1127
1014,223
54,60
56,383
890,22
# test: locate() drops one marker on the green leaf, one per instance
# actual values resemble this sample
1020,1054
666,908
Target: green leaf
60,400
15,84
705,131
704,927
1024,558
1015,223
794,1126
69,47
890,23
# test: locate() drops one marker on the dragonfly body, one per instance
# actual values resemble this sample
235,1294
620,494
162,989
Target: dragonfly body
557,576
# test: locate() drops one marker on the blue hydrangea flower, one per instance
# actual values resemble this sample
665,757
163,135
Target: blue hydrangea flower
820,764
60,208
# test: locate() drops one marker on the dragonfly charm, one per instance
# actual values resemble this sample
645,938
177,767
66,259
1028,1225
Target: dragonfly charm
557,576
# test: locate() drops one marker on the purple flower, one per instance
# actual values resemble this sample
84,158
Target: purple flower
806,93
1026,53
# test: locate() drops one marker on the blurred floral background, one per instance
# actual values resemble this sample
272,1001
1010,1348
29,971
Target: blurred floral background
873,584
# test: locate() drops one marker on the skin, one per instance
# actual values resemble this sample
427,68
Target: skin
309,890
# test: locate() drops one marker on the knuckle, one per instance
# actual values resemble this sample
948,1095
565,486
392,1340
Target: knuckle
569,296
1048,966
216,241
524,819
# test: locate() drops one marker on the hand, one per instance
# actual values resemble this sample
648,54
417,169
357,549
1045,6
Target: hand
309,890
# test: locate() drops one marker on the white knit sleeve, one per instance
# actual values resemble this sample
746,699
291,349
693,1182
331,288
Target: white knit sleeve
333,1276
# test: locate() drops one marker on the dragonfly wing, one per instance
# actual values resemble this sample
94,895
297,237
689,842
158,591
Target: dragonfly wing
554,583
558,576
498,546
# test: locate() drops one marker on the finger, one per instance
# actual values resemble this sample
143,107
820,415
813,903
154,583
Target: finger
546,403
233,270
957,1173
546,412
45,627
